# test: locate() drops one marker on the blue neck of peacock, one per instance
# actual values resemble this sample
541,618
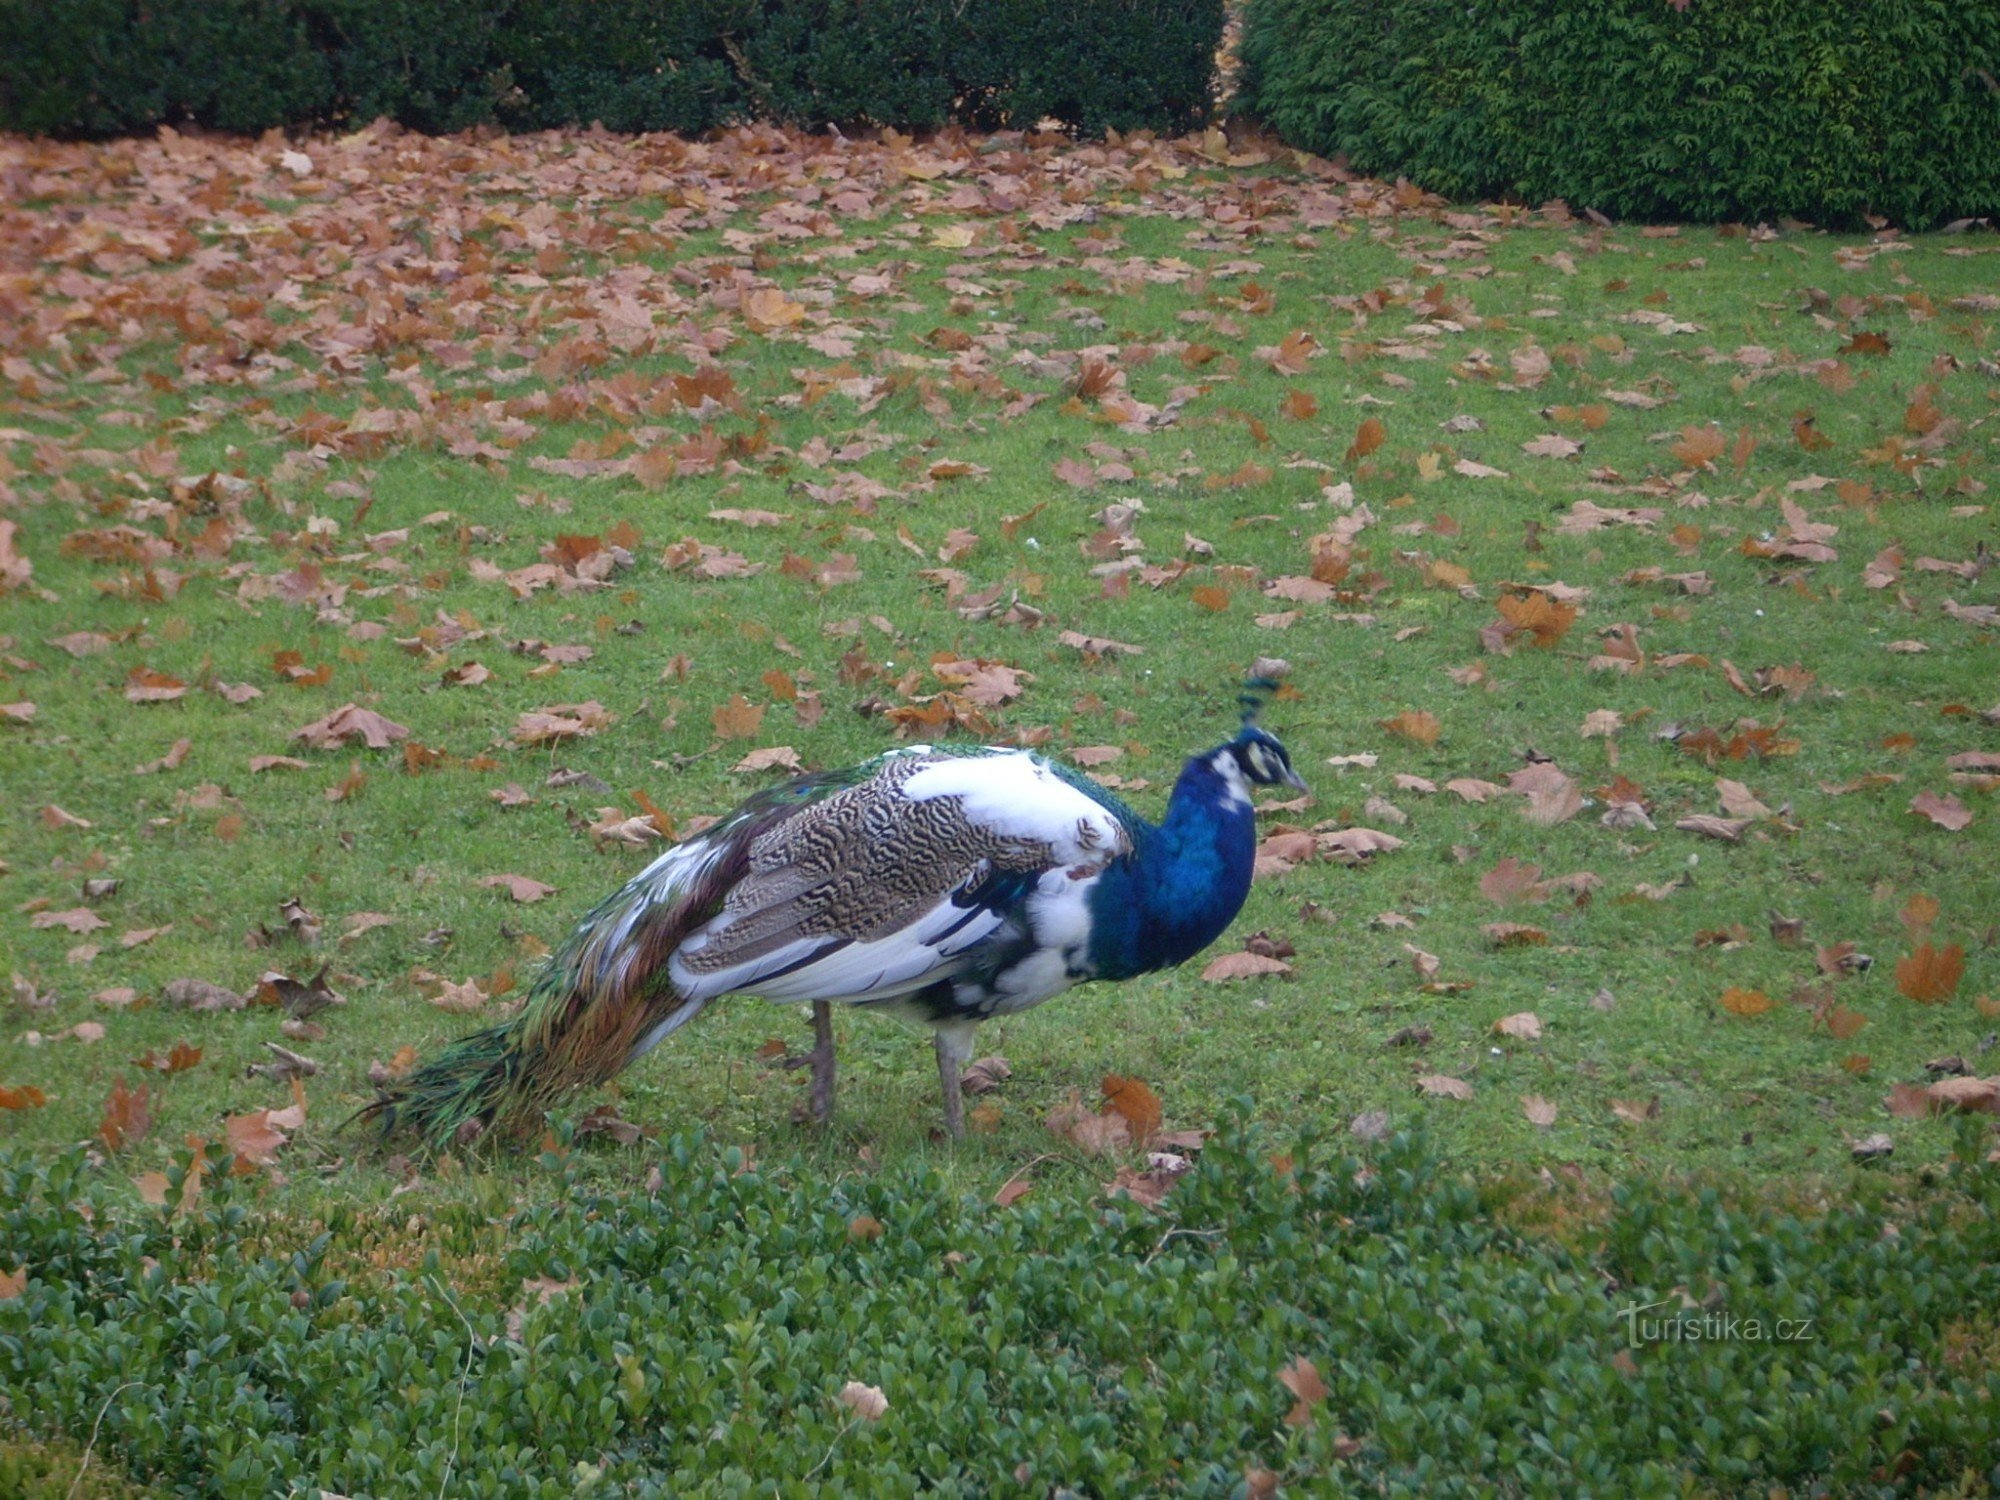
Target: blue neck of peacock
1184,883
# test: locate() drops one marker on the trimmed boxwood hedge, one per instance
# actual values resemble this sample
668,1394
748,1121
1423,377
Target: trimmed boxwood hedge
102,67
1711,110
603,1339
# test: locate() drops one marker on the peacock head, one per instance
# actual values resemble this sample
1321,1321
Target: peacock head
1263,760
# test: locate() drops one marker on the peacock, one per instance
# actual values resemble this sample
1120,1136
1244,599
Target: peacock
940,885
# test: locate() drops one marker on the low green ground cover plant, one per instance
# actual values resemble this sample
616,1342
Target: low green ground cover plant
1303,1316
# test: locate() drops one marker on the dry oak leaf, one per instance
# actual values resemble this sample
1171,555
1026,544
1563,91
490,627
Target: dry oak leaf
1947,811
520,887
1538,1110
351,722
199,995
17,713
1636,1112
1514,935
1930,975
1243,966
1444,1086
1523,1025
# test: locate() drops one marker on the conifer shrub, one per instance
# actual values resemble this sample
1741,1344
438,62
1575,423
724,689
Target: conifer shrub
105,67
1705,109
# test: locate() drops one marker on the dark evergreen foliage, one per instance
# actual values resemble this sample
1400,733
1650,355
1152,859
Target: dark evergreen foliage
1715,110
103,67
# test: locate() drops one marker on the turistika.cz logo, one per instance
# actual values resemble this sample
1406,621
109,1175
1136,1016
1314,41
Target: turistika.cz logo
1651,1325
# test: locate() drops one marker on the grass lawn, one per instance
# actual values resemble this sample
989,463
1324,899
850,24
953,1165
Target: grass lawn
1633,579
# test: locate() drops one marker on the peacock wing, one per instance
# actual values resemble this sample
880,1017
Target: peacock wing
888,885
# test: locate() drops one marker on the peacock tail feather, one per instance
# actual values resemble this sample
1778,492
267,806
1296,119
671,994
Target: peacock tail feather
602,998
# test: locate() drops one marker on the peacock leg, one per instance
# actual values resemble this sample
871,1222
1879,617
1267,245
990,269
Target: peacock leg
821,1058
954,1046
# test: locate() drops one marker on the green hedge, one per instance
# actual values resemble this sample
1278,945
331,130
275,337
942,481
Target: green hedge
1720,110
100,67
693,1340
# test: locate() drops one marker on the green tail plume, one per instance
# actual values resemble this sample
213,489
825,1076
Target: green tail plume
603,999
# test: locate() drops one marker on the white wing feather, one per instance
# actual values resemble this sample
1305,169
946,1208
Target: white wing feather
1009,792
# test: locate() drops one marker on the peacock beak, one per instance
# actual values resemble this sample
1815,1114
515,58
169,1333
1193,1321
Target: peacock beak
1294,780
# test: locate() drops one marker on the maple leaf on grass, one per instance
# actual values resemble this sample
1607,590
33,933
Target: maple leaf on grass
1243,966
1946,811
771,758
351,722
128,1115
1510,881
520,887
1443,1086
178,1058
1742,1002
1930,975
1539,613
985,1075
258,1137
1552,796
1419,726
1131,1100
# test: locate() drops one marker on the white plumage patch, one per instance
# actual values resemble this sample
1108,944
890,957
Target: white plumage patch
1013,794
899,964
1224,765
